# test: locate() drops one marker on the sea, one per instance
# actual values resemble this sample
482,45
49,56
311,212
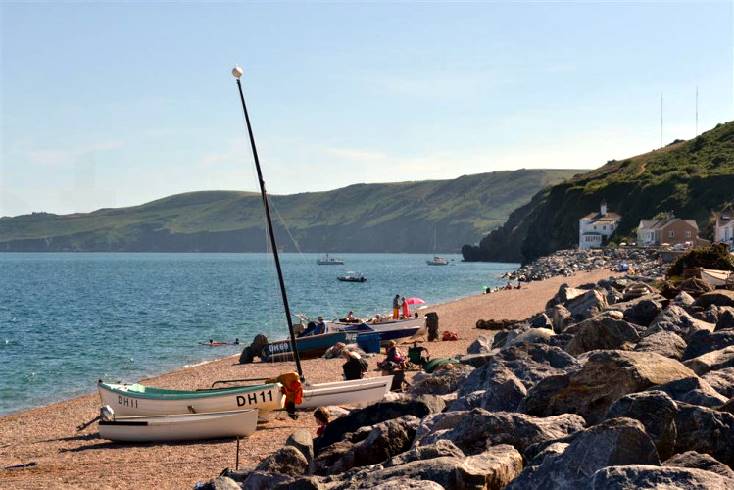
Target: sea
69,319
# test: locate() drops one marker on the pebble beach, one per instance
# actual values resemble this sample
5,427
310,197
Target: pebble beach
54,455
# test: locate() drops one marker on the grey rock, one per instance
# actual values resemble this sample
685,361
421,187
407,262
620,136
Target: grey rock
726,319
677,320
541,321
564,295
481,345
703,342
467,402
721,380
692,459
220,483
301,439
262,480
439,449
287,460
712,361
727,407
374,414
560,316
705,430
479,429
552,449
683,299
383,441
602,333
693,390
656,410
658,477
442,381
492,469
440,470
719,297
502,390
407,484
636,290
617,441
589,304
605,377
643,312
667,344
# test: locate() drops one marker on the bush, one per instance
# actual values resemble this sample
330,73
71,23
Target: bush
714,256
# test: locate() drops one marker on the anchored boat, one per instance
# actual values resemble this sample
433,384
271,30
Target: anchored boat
141,400
185,427
326,260
352,276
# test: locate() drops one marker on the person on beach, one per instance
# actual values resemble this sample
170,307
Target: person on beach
322,417
355,367
406,308
394,358
396,307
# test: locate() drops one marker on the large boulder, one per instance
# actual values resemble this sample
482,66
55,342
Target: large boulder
667,344
500,390
374,414
479,429
692,390
602,332
683,299
692,459
656,410
695,287
705,430
658,477
287,460
481,345
587,305
263,480
721,380
494,468
541,321
441,381
726,319
643,311
560,316
401,483
618,441
677,320
606,376
383,441
529,362
565,294
719,297
301,439
718,359
439,449
703,342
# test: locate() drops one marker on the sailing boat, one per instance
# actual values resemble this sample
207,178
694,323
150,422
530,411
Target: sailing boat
436,259
358,391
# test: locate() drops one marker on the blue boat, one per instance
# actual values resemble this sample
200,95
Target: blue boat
388,329
309,347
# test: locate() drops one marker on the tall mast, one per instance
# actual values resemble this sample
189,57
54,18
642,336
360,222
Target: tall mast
237,72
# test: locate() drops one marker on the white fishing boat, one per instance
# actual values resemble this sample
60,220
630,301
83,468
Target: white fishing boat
186,427
141,400
326,260
438,261
352,276
354,392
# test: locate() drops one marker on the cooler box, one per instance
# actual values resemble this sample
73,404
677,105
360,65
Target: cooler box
369,342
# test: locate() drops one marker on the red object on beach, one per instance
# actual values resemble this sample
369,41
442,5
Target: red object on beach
414,301
448,335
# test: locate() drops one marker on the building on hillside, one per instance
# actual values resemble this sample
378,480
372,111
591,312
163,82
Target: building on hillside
596,228
724,228
668,230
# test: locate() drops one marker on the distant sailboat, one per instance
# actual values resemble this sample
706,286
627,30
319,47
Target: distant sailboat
436,260
326,260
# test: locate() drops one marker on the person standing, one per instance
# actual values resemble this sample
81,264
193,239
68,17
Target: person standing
396,307
406,308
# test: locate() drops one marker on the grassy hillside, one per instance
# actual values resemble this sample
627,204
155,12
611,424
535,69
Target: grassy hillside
690,178
393,217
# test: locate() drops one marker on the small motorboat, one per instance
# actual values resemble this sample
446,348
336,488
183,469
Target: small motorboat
141,400
185,427
352,276
438,261
326,260
388,329
309,347
354,392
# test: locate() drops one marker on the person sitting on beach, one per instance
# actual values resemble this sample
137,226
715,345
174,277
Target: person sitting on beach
355,367
394,358
322,417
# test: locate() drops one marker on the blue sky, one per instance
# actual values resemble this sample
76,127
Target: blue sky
116,104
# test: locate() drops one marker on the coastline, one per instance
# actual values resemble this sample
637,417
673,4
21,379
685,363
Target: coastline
46,435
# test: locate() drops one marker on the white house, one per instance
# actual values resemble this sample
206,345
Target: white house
596,228
724,229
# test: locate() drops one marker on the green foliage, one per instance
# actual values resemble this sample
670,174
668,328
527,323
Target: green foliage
714,256
396,217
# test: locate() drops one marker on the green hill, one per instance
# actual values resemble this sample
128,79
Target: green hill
394,217
690,178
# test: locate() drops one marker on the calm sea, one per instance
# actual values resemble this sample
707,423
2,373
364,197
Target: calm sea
68,319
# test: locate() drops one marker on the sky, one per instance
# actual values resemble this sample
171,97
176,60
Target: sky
116,104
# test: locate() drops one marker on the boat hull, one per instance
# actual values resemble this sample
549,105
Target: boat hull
308,347
357,392
127,400
188,427
389,330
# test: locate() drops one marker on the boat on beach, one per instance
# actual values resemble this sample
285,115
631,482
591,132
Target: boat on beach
388,329
140,400
353,392
184,427
326,260
309,347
